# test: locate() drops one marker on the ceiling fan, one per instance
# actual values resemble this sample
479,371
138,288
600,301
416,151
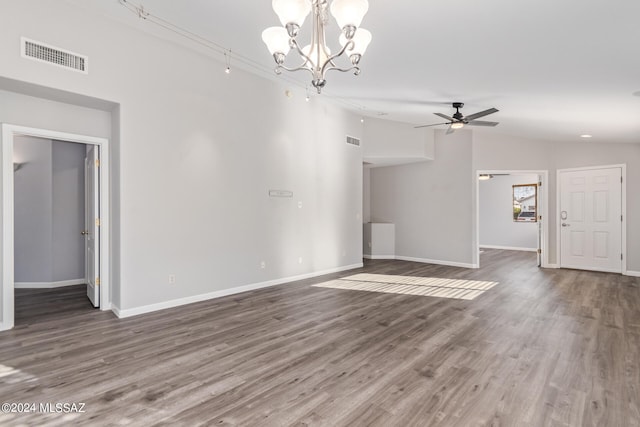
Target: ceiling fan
458,121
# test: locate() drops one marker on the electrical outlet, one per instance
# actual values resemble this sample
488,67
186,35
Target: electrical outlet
172,279
263,265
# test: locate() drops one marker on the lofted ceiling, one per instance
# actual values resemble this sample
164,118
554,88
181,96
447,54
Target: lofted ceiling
555,69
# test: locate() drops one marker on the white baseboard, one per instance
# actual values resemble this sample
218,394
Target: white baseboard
128,312
48,285
632,273
508,248
379,256
437,261
550,266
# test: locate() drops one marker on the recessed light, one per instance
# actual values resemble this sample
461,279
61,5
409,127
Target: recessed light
586,136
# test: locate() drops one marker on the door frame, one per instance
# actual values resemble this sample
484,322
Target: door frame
623,240
543,209
7,135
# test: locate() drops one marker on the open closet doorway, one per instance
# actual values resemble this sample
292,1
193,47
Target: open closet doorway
511,214
63,241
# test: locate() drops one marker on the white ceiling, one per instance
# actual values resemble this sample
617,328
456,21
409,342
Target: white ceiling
555,69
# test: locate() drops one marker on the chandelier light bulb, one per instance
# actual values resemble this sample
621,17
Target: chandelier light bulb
361,40
291,11
349,13
277,40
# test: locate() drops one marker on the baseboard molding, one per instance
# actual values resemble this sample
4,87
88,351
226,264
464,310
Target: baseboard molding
48,285
379,256
508,248
550,266
128,312
437,261
632,273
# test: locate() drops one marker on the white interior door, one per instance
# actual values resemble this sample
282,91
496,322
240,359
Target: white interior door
92,224
591,219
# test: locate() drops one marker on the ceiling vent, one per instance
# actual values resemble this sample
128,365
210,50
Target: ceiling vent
353,141
42,52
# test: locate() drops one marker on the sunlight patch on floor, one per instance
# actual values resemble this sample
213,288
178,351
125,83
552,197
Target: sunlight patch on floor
411,285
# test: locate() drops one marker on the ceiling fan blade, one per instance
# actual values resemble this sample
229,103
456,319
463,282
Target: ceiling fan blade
444,116
482,123
435,124
480,114
449,131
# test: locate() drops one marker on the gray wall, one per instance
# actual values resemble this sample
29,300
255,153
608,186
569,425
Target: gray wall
497,227
49,210
33,213
503,152
430,202
197,153
68,210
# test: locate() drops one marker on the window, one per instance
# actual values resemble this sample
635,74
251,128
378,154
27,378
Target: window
525,203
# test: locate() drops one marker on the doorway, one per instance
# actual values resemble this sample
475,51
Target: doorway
99,153
511,213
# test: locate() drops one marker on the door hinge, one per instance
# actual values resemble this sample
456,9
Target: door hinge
97,222
97,163
539,183
540,218
97,281
539,251
621,258
620,180
621,218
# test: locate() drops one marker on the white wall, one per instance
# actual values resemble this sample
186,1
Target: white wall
430,202
197,153
497,227
388,143
49,210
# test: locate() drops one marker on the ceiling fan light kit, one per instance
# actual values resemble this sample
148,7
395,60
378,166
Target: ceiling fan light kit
316,56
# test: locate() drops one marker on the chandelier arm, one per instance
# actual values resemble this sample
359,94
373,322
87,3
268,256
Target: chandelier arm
301,67
293,43
355,69
330,65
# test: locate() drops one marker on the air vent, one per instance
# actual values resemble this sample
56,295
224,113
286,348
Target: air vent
42,52
353,141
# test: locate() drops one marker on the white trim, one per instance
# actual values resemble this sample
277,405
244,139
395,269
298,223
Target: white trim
128,312
437,261
632,273
543,205
508,248
8,133
49,285
552,266
365,256
623,241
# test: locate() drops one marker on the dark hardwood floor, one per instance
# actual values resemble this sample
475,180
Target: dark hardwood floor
541,348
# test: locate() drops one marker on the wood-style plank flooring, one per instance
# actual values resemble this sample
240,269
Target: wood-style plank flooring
541,348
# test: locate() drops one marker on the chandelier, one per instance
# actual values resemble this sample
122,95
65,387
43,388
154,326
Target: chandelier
316,56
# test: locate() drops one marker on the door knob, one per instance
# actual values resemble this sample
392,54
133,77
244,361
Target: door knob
564,224
84,232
